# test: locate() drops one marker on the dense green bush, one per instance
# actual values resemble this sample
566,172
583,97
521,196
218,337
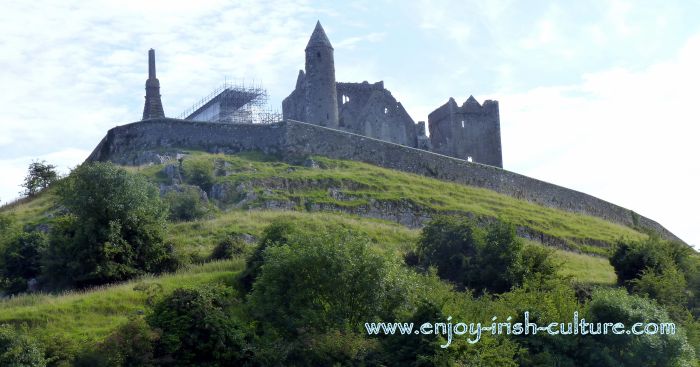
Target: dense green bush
551,300
197,329
324,281
186,204
199,173
667,287
276,233
497,265
491,259
18,350
8,229
449,243
615,305
418,350
131,345
630,259
228,248
20,260
113,232
667,271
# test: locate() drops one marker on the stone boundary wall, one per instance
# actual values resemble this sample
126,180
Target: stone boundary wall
293,139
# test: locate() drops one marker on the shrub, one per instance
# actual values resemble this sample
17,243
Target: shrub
196,329
186,204
324,281
667,271
630,259
449,243
418,350
615,305
21,260
276,233
491,259
132,344
537,262
114,229
228,248
199,173
8,228
667,287
18,350
497,265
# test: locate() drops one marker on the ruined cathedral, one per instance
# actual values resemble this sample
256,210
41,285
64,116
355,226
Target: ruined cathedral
351,121
470,131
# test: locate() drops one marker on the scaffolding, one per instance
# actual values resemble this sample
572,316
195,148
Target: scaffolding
234,103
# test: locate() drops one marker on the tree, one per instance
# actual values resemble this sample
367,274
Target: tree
277,233
667,287
18,350
497,265
21,260
130,345
418,350
113,232
39,177
197,329
323,281
615,305
449,243
667,271
630,259
491,259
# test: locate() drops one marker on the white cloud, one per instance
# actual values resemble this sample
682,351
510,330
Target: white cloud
628,137
16,168
351,42
75,69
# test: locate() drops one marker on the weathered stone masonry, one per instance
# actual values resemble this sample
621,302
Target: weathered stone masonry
468,132
292,140
152,107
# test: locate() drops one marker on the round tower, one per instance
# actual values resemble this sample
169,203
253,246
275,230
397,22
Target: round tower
321,100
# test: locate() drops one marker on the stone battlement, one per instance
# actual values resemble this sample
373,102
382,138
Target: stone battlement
292,140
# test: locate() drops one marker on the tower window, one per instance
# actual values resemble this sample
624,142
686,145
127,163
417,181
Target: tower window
318,54
469,158
463,124
386,110
346,99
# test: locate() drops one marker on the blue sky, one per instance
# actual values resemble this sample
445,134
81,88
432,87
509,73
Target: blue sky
597,96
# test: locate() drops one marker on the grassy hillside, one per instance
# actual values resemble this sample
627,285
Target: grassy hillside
65,323
351,186
91,315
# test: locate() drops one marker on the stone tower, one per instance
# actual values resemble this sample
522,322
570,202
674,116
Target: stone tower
153,108
320,90
471,131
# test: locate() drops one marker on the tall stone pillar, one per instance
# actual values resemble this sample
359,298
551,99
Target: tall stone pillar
153,107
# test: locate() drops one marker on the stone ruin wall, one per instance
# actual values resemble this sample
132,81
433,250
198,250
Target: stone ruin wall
470,132
293,140
370,110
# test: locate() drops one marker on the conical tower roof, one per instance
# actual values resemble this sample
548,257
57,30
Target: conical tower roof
319,38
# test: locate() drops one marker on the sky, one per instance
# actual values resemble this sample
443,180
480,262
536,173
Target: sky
597,96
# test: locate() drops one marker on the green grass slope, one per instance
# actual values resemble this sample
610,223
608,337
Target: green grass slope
349,185
90,315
